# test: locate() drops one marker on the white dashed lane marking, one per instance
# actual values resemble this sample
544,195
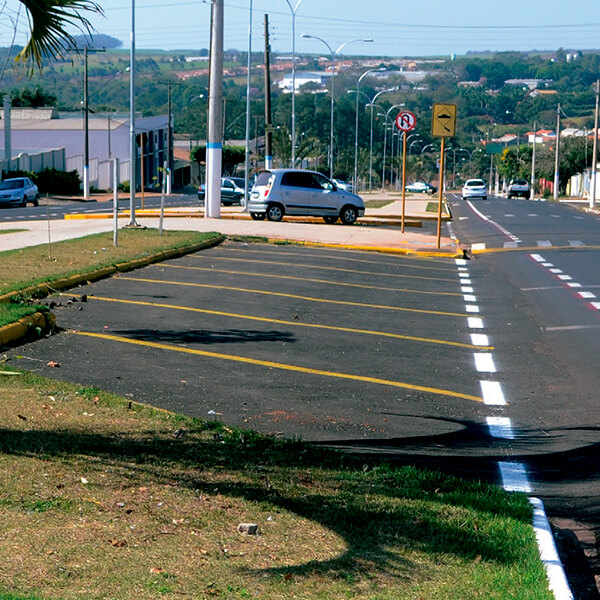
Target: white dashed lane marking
514,477
492,393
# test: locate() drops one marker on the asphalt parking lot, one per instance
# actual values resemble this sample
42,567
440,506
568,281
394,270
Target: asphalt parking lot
322,344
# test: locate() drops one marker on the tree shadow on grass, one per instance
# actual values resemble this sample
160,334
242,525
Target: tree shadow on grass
375,509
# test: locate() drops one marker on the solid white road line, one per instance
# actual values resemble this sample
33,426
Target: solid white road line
492,393
479,339
484,362
475,322
500,427
514,477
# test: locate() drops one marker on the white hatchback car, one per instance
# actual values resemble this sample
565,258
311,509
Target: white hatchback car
474,188
297,192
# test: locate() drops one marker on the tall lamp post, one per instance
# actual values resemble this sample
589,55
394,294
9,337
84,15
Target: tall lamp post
333,53
356,124
294,10
247,148
371,104
387,115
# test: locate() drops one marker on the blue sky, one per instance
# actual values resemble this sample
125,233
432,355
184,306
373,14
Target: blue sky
416,28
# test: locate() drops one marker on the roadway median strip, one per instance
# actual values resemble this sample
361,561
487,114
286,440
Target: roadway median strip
282,366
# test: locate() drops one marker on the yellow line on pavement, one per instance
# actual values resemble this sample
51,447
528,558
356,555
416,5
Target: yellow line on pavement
325,281
282,366
220,313
337,255
297,297
325,268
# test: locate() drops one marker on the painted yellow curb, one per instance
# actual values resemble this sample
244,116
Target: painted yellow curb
18,330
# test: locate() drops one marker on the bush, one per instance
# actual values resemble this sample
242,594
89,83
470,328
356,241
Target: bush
51,181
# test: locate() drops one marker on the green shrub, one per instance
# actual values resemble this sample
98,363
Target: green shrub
51,181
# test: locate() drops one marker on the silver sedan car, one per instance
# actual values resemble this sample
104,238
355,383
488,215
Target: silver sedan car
18,191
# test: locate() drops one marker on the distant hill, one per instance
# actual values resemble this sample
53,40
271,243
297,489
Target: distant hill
98,40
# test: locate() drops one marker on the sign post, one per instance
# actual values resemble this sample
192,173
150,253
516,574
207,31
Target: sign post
405,122
443,125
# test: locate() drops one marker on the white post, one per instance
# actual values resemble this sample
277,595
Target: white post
214,146
115,202
595,150
165,178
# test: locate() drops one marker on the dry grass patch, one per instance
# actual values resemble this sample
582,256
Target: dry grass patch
104,498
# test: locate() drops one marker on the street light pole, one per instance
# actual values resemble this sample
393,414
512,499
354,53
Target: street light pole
557,154
333,53
293,11
595,148
356,125
387,114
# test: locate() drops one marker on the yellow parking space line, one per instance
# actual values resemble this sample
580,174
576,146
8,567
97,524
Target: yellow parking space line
326,268
324,281
298,297
276,365
220,313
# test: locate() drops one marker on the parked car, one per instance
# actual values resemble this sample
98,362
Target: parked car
18,192
232,191
420,187
280,192
343,185
518,188
474,188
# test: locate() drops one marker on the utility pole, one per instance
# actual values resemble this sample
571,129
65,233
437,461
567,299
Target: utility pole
268,121
532,190
214,146
132,144
169,172
595,149
247,149
557,154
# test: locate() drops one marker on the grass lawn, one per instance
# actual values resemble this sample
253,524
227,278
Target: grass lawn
41,264
103,498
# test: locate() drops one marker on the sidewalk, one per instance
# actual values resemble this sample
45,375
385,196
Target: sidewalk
378,230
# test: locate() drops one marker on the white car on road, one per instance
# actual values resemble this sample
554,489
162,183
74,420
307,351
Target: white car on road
474,188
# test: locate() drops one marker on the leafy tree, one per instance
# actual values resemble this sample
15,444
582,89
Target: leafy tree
35,98
231,157
48,21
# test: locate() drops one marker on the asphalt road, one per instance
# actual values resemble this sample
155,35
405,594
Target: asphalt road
543,286
484,367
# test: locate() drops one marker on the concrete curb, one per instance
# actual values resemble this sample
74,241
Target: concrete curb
13,332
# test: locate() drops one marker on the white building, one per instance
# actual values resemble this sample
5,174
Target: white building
320,78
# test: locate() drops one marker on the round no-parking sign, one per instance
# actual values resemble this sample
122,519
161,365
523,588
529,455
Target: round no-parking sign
405,121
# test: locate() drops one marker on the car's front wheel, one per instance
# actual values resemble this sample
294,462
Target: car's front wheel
348,215
257,216
275,212
36,200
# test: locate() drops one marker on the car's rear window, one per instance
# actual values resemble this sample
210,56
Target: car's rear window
519,182
263,178
12,184
475,182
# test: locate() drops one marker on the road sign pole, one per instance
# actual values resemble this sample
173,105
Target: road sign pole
439,222
403,180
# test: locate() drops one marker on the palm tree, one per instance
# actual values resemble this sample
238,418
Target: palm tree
48,20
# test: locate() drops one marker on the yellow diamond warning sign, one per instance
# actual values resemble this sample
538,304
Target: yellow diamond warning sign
443,122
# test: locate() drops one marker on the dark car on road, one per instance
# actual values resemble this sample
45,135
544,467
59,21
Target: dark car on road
18,191
518,188
232,191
